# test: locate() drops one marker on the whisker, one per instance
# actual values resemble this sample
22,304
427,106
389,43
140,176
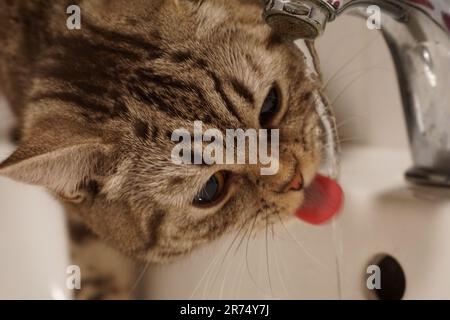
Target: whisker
339,252
267,257
238,281
208,268
230,247
338,42
222,287
347,63
352,139
302,247
278,268
272,231
241,240
353,72
348,85
209,279
246,254
139,278
347,121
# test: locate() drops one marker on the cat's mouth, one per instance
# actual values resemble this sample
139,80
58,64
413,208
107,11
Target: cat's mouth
323,201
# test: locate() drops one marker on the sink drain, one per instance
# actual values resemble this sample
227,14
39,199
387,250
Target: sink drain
387,279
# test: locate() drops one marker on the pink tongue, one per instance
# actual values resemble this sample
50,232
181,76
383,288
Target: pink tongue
323,200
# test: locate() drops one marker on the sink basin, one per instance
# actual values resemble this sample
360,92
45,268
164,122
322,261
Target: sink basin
383,214
33,239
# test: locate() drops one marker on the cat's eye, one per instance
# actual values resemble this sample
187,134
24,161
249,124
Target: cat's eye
270,107
212,191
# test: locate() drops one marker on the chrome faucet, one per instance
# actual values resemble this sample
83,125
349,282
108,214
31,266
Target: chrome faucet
417,33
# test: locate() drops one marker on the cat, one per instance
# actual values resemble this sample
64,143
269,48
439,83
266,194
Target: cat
95,109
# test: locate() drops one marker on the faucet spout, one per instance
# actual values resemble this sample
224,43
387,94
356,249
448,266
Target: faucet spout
298,19
417,33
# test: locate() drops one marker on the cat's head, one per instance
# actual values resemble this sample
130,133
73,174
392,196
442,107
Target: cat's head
106,100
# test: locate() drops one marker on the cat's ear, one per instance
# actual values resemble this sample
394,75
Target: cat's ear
61,169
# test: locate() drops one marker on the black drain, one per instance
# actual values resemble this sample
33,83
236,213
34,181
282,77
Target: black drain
393,280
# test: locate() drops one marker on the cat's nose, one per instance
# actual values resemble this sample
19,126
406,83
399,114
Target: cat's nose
296,183
288,179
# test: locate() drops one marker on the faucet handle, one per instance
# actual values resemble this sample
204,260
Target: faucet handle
296,19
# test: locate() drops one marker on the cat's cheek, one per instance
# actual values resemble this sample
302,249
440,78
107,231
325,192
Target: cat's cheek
196,213
293,200
72,198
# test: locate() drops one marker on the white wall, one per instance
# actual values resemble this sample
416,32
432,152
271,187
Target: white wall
33,237
368,105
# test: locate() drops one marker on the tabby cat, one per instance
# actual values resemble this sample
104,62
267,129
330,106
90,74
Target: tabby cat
96,107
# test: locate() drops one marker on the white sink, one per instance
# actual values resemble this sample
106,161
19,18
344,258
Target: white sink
383,214
33,241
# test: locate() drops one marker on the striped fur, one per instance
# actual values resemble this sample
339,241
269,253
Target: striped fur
135,72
